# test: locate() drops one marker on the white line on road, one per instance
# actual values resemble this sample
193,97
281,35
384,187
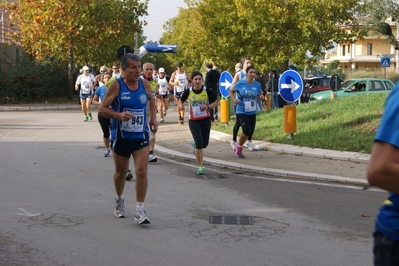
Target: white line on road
27,213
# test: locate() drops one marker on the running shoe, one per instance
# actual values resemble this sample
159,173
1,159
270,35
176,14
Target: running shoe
90,117
106,152
249,145
120,208
86,119
152,158
129,175
141,217
162,119
238,152
200,170
164,112
233,144
193,146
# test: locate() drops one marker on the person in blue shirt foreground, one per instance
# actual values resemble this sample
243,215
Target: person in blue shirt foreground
383,172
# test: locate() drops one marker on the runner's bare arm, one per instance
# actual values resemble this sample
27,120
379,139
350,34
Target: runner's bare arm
172,79
110,95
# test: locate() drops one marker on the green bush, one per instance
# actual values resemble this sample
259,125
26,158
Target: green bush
26,80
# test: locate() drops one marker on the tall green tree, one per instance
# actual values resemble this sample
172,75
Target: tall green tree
271,32
76,31
186,31
376,14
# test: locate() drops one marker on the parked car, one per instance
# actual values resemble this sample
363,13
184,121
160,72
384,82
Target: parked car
315,84
311,85
353,87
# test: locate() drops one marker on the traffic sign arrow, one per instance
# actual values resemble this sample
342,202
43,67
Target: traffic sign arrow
226,84
293,86
167,49
225,81
290,86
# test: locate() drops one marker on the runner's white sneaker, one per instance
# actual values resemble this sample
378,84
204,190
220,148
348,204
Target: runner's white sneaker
152,158
141,217
106,152
233,144
120,208
249,145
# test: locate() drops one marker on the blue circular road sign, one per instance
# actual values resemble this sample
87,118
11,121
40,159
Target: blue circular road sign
224,83
290,86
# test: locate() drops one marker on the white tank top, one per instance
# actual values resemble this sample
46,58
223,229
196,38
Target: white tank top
182,79
163,86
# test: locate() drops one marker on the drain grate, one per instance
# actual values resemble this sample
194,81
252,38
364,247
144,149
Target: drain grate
232,220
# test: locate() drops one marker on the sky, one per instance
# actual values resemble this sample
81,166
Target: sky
160,11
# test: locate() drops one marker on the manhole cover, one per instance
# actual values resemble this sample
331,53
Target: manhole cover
232,220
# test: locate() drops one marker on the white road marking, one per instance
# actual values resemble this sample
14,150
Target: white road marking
27,213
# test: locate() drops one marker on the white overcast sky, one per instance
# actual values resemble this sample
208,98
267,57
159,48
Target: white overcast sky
160,11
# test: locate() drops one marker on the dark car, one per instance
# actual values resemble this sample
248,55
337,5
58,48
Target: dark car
315,84
311,85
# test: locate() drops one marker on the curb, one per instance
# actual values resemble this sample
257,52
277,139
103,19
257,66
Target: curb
261,170
297,150
38,108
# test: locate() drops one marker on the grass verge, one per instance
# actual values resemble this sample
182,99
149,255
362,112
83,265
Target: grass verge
344,124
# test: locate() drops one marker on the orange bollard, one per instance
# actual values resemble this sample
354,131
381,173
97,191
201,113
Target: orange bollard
268,101
224,111
289,119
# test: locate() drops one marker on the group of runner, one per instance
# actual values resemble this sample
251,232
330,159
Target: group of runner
129,103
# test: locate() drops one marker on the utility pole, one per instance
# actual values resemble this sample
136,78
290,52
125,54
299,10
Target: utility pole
136,45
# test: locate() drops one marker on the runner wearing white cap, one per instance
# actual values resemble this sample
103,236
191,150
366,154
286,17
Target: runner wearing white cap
163,90
86,83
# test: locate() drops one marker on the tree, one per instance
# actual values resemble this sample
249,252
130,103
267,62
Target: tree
376,14
186,31
271,32
83,32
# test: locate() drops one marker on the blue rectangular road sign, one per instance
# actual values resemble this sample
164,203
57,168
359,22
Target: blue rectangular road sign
385,62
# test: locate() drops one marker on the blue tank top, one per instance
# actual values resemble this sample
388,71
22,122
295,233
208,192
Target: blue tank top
136,103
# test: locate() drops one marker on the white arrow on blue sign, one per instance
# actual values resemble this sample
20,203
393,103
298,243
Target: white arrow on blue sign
290,85
224,83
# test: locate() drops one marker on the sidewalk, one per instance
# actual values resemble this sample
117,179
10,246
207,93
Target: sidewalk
276,159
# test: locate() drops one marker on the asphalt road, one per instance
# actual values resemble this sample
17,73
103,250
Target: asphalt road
57,206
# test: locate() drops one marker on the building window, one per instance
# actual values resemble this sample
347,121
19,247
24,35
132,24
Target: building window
369,49
343,50
349,49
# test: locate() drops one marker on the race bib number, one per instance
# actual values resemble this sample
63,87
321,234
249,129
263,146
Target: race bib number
182,82
198,112
163,89
85,87
250,105
135,124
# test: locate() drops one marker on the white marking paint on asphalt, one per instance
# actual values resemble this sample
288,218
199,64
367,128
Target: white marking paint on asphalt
25,213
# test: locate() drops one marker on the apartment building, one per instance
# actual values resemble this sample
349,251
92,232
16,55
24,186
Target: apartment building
365,53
